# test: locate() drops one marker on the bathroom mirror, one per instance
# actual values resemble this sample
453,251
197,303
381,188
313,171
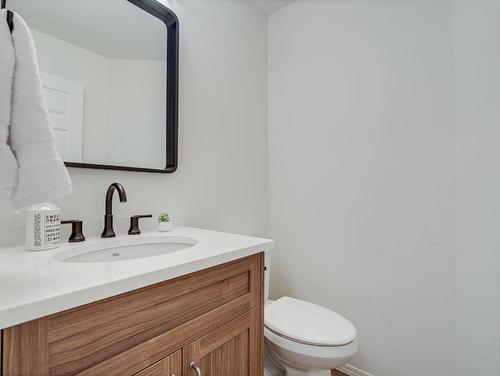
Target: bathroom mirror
110,75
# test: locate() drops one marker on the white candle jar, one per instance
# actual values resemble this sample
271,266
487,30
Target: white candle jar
43,227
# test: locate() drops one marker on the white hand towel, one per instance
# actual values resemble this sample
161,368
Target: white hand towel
8,163
42,175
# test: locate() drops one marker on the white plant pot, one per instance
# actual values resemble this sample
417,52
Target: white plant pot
164,226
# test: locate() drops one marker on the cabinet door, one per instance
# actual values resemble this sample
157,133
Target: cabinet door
170,366
235,349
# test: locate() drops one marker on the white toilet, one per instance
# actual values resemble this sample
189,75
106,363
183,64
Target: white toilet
304,339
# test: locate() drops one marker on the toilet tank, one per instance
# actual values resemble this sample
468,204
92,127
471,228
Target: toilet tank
267,274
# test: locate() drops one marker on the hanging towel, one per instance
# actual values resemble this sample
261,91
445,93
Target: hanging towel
8,163
42,175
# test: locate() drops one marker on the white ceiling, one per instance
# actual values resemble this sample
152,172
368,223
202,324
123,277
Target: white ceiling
271,6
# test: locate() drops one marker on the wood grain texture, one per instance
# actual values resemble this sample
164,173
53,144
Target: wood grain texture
170,366
25,350
134,359
231,350
125,334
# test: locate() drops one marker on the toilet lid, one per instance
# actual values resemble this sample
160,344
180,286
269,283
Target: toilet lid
308,323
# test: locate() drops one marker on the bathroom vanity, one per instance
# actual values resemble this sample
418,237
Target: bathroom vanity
195,311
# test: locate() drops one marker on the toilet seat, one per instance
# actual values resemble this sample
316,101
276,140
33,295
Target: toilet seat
307,324
288,353
312,351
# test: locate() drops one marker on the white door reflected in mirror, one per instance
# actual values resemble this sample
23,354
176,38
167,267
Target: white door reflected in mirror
65,104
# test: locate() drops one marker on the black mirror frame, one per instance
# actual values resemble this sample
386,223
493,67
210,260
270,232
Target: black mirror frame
171,21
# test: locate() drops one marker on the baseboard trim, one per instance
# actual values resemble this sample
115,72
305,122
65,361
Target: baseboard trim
353,371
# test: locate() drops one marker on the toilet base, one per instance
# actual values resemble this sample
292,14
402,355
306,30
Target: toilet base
274,366
271,368
289,371
273,371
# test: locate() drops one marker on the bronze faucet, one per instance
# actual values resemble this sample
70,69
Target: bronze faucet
108,231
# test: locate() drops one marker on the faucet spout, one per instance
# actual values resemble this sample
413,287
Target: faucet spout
109,196
108,231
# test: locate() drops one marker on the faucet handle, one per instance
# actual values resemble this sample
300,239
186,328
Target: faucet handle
134,223
76,230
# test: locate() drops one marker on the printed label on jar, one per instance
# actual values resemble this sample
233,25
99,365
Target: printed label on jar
52,228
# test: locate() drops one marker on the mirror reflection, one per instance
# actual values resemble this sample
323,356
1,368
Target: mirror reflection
103,70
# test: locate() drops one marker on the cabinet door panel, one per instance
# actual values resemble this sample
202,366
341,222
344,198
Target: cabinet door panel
235,349
170,366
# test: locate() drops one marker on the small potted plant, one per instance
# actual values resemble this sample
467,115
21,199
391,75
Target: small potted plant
164,223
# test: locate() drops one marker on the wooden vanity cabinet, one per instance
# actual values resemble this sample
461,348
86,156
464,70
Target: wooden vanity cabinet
213,318
170,366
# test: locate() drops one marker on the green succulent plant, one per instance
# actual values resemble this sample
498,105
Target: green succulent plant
164,217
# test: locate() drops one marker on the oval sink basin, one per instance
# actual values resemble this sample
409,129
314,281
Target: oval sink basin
125,249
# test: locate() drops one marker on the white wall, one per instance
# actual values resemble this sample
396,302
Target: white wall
221,181
362,174
136,136
385,197
124,102
477,119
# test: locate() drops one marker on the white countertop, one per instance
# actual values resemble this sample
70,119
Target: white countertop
34,284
